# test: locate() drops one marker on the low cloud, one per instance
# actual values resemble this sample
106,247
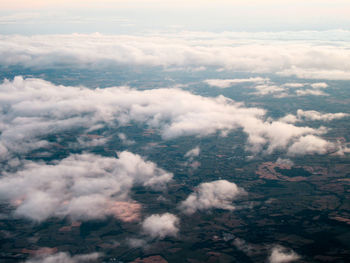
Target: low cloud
311,92
160,226
231,50
64,257
281,254
216,194
34,108
125,140
82,187
310,145
282,161
312,115
226,83
193,153
191,158
269,89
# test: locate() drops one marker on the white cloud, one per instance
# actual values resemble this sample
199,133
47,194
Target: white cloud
81,187
233,51
268,89
312,115
63,257
319,85
225,83
281,161
216,194
282,255
191,156
312,92
33,108
317,116
193,153
310,144
124,139
160,226
294,85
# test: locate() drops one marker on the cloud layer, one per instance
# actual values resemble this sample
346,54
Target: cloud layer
34,108
233,51
81,187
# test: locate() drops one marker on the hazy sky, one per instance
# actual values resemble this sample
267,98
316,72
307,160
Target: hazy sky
138,16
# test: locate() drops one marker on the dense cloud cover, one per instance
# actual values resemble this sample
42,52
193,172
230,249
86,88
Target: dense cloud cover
233,51
216,194
34,108
82,187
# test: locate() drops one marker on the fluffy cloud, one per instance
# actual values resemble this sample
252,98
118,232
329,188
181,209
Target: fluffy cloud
268,89
191,156
124,139
82,187
317,116
225,83
310,144
240,52
216,194
63,257
160,226
312,92
281,161
312,115
193,153
282,255
34,108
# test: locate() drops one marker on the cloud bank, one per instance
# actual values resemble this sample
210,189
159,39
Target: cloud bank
34,108
82,187
231,51
216,194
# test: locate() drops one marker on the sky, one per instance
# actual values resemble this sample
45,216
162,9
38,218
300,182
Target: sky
140,16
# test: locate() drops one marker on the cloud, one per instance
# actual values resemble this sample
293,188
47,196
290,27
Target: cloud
82,187
225,83
281,161
216,194
268,89
317,116
191,156
280,254
34,108
160,226
124,139
312,115
310,58
64,257
312,92
193,153
294,85
319,85
310,144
